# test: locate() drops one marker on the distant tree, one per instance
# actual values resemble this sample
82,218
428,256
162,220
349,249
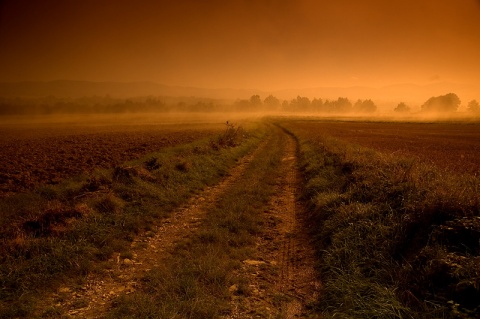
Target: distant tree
302,103
252,104
473,106
402,108
366,106
272,102
357,106
342,105
328,106
443,103
369,106
299,104
255,101
202,106
290,106
181,106
317,105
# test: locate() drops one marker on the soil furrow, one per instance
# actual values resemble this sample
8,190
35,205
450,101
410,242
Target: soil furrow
95,296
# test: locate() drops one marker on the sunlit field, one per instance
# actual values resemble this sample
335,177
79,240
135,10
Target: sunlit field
240,159
390,207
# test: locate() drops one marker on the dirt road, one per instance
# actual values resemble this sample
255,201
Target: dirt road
281,277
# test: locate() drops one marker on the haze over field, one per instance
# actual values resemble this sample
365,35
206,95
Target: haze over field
360,49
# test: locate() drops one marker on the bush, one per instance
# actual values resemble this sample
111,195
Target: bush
232,136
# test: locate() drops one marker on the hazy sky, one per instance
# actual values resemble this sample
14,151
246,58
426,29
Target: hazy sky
264,44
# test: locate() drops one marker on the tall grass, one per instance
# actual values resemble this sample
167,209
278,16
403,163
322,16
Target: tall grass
396,238
61,233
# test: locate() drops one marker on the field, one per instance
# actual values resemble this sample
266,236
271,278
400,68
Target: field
195,217
453,146
37,152
395,215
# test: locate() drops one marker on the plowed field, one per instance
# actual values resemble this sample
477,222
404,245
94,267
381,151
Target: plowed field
452,146
48,153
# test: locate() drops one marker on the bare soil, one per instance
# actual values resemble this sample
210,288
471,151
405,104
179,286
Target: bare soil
36,155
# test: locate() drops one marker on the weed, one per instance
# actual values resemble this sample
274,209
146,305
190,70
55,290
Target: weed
232,137
123,175
152,164
183,165
96,183
52,312
110,204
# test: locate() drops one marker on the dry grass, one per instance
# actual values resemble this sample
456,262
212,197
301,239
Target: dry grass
397,237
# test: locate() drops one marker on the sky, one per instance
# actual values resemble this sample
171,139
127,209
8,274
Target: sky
261,44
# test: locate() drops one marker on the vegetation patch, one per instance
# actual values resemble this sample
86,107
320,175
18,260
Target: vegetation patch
396,238
62,232
194,281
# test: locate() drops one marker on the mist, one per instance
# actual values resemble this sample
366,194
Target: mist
169,109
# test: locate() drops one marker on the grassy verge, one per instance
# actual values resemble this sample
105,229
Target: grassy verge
194,281
64,232
395,238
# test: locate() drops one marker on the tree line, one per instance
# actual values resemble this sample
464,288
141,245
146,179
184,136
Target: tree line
447,103
304,104
87,105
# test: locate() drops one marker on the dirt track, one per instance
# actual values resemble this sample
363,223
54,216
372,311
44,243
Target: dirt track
281,278
148,251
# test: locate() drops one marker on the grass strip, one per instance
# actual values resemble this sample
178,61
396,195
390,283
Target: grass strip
396,238
64,232
193,282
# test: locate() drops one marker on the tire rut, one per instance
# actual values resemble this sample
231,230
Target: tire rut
95,296
282,282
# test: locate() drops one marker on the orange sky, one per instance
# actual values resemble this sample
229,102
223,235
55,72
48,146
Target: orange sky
264,44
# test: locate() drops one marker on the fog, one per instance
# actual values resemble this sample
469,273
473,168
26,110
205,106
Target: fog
159,57
123,112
